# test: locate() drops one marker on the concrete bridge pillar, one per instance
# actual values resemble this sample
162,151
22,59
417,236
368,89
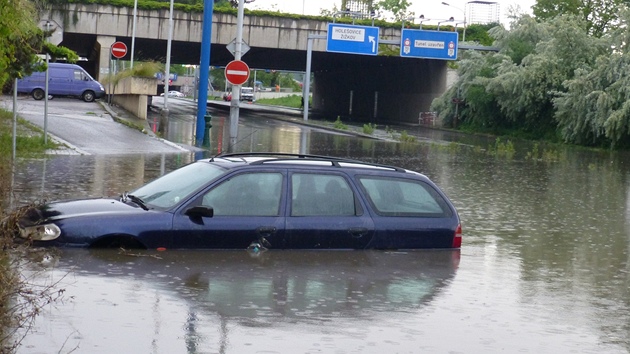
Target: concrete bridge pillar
103,47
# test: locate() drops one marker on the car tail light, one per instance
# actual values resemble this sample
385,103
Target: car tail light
457,240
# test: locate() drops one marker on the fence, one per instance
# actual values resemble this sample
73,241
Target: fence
428,118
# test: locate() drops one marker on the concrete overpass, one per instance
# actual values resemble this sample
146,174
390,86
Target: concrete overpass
357,87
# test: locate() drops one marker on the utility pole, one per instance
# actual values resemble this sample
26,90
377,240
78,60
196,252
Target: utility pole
133,31
167,73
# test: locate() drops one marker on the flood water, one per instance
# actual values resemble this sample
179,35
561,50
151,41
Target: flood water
544,266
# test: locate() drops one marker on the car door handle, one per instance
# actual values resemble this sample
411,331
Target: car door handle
266,230
358,232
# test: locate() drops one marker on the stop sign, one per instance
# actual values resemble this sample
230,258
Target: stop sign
119,49
236,72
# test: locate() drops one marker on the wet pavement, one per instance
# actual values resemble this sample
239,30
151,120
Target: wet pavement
91,128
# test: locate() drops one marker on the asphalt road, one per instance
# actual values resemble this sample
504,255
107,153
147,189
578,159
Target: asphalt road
87,128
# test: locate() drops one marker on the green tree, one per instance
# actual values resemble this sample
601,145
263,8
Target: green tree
479,33
329,13
595,109
19,42
398,8
600,15
217,78
521,81
480,110
525,92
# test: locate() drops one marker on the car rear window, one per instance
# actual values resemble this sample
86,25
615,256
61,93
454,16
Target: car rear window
404,197
321,195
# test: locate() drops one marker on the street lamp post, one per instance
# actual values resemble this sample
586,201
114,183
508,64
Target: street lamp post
449,20
422,19
463,12
410,18
167,71
373,16
133,31
347,12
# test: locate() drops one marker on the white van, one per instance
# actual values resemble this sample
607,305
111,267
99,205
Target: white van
247,94
64,80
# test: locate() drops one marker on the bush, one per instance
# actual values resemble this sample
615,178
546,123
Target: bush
339,125
369,128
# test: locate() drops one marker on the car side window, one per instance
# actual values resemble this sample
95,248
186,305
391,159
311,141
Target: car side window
248,194
321,195
403,197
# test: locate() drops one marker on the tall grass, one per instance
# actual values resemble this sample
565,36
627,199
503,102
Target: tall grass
29,139
143,69
293,101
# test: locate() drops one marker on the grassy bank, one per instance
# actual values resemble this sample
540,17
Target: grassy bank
29,140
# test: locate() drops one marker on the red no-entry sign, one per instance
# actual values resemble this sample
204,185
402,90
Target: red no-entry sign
237,72
119,49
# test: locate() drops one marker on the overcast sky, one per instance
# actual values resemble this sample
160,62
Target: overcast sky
431,9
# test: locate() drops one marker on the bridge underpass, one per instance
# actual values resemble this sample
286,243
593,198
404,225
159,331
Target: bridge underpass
362,88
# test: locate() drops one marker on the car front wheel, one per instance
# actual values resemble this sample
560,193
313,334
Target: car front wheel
38,94
88,96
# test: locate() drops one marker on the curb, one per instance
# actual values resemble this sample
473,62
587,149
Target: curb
145,130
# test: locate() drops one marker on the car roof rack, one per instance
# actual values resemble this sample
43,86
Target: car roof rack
278,156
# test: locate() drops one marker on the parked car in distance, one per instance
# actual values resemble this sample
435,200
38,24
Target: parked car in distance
63,80
174,94
259,201
247,94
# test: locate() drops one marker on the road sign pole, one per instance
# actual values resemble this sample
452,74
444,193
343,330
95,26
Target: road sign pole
14,141
204,65
236,89
46,92
307,74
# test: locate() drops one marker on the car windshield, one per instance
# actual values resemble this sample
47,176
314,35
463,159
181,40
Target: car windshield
175,186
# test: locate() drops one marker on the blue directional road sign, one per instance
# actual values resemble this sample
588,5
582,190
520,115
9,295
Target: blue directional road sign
429,44
352,39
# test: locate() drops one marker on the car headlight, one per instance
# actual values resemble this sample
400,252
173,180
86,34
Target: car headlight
45,232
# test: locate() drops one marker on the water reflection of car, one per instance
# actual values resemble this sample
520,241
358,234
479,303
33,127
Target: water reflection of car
174,94
295,285
260,201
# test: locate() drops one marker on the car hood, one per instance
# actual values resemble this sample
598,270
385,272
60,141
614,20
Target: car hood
76,208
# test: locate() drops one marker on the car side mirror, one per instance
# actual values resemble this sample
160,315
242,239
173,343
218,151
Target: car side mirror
200,211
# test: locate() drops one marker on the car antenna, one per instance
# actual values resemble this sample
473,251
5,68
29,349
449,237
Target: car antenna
233,145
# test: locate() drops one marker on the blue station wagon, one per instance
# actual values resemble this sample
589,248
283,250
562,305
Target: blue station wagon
259,201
